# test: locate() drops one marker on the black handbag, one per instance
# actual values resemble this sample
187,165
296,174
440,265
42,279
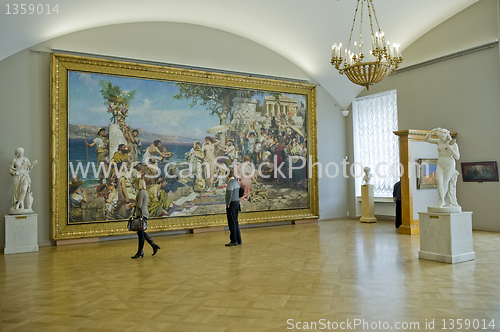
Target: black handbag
136,224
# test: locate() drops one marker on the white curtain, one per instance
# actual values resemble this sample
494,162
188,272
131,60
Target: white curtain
375,118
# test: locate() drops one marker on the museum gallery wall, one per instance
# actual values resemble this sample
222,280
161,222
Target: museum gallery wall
182,130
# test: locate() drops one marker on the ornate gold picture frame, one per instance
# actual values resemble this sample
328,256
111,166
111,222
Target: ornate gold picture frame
181,129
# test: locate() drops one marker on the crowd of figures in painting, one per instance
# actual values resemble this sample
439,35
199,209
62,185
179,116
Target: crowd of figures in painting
186,175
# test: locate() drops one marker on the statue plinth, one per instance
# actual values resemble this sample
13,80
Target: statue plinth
446,237
445,209
367,204
20,211
21,233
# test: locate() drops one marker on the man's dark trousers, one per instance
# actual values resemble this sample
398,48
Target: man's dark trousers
232,221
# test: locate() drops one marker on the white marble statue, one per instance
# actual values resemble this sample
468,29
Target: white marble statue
446,174
21,183
368,176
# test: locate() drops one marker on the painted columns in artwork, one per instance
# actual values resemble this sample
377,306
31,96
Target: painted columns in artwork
115,139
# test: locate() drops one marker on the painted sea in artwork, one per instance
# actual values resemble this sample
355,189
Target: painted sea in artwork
117,125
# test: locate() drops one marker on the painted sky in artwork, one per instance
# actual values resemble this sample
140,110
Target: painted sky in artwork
153,107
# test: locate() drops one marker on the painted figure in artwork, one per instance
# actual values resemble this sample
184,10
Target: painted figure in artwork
76,199
21,183
209,150
195,157
446,174
134,142
154,151
101,143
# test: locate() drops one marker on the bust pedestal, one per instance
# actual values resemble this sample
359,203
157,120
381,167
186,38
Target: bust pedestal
367,204
21,233
446,237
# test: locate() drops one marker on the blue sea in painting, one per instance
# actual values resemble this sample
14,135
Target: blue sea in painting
79,152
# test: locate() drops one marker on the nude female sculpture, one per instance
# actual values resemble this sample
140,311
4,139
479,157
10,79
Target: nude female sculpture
446,174
21,183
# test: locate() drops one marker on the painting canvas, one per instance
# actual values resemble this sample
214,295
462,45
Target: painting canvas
480,171
182,131
427,174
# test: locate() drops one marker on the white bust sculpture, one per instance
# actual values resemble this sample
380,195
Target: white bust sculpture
368,176
21,183
446,174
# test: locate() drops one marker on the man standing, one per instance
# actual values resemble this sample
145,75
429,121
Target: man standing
232,208
396,195
101,146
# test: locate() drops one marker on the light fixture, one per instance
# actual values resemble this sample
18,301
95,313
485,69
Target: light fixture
344,113
382,57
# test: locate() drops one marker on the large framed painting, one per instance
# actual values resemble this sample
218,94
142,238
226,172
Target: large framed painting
483,171
114,122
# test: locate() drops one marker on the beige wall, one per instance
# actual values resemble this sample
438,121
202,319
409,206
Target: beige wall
461,94
24,92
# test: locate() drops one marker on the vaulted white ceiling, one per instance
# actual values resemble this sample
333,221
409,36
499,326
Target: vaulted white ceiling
302,31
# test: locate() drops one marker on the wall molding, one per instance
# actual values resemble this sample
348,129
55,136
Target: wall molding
171,64
448,56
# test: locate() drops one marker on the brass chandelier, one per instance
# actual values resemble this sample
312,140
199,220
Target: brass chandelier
382,57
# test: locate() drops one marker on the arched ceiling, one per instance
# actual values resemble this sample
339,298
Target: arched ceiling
300,30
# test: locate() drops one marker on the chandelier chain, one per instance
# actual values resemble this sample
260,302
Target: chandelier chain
353,21
361,27
374,14
370,15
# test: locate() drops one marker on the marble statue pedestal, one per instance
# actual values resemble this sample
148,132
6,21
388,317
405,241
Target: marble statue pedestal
367,204
21,233
446,237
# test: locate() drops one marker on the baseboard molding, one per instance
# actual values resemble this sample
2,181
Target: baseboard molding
304,221
385,217
77,241
207,230
485,229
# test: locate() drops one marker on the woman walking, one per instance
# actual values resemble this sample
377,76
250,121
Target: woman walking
141,209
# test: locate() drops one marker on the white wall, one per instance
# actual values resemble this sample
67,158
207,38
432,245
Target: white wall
24,92
460,94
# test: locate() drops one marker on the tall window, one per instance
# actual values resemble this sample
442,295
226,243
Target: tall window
375,117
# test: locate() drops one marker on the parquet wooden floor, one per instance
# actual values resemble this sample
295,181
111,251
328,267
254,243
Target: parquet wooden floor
338,271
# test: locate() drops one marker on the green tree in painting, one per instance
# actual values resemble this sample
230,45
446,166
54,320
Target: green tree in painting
217,100
116,100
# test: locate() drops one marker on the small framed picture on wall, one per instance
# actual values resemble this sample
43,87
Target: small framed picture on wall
427,176
484,171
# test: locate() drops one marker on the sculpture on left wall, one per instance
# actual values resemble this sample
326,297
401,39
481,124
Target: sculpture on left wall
20,169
